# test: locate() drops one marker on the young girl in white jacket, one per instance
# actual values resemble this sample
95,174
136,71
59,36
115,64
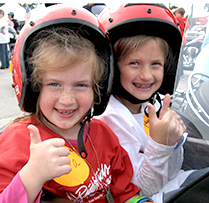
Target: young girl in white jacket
146,42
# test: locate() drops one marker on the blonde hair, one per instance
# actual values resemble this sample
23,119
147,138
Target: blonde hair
126,45
58,49
61,48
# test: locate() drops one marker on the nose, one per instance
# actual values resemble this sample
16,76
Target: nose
145,73
67,96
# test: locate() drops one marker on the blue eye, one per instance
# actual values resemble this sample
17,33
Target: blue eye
158,63
80,85
54,84
133,63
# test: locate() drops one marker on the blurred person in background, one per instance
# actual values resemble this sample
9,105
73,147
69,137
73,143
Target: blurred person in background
15,21
183,23
4,40
95,8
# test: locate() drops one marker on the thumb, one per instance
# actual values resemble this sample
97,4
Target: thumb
34,135
152,113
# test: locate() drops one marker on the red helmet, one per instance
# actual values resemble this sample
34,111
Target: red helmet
146,19
77,19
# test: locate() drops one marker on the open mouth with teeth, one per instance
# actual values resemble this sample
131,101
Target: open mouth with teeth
142,86
65,112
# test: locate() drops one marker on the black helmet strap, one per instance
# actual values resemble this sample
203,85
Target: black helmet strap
82,151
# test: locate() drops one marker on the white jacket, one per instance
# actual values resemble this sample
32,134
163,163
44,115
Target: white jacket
154,164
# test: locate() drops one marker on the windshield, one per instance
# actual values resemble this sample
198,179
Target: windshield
190,99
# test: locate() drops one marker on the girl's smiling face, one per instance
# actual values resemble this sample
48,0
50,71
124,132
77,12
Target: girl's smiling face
66,96
142,71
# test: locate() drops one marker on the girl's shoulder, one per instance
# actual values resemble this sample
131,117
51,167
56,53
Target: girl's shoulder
21,124
15,137
101,136
100,128
97,124
18,128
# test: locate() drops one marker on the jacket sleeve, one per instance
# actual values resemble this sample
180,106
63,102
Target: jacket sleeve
15,192
153,173
175,162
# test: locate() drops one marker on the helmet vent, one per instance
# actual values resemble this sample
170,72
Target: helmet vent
149,10
74,12
110,20
32,23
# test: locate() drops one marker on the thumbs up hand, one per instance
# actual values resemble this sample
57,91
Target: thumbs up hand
48,159
168,128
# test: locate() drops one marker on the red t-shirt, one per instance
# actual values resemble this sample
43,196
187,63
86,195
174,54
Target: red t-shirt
109,166
183,23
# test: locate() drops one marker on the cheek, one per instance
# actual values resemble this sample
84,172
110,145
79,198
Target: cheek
123,73
42,103
159,75
86,99
46,99
127,76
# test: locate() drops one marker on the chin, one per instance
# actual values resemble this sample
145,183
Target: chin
60,125
64,127
145,97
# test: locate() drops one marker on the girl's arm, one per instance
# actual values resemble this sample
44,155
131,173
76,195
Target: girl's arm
153,173
173,129
48,159
165,132
15,192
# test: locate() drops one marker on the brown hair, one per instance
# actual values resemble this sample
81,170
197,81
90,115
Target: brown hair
180,10
126,45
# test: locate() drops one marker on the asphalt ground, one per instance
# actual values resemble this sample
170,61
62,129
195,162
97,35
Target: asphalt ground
9,108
